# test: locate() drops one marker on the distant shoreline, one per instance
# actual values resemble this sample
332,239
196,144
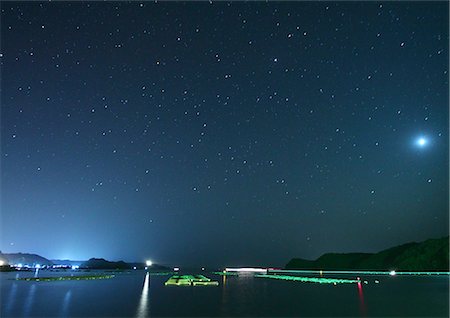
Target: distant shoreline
60,278
429,256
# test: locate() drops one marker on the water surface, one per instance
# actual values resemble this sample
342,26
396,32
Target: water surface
136,294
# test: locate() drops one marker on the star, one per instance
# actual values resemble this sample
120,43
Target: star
421,142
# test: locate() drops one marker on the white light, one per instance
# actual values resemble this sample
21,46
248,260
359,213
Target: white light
421,142
38,266
134,267
392,273
176,269
19,265
2,263
75,266
247,269
148,263
143,303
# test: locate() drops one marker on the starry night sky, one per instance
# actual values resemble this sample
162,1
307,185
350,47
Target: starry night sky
222,133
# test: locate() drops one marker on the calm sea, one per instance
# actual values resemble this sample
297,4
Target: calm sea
135,294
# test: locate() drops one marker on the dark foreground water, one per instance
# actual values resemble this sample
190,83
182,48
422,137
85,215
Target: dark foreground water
135,294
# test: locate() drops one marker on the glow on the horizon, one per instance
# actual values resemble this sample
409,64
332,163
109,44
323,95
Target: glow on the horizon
148,263
2,263
392,273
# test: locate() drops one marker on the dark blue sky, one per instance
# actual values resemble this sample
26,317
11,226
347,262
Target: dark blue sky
222,133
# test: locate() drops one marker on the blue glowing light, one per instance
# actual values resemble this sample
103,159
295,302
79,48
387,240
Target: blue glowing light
421,142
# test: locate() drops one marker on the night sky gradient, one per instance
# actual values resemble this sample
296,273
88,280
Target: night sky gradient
222,133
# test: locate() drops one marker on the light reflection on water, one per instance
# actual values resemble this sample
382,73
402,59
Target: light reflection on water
224,295
362,306
11,298
65,304
29,300
143,302
128,295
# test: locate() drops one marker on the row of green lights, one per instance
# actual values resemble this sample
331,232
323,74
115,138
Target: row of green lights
310,279
188,280
160,273
48,279
358,272
225,273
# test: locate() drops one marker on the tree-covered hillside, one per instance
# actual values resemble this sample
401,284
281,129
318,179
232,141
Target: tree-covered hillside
431,255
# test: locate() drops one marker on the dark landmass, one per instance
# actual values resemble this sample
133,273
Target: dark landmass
25,259
101,263
7,268
431,255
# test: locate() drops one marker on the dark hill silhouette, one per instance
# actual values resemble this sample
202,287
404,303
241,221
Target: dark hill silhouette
431,255
25,259
101,263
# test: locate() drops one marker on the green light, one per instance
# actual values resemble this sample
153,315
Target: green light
310,279
52,279
160,273
190,280
356,272
224,273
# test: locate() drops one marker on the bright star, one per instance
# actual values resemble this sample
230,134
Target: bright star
421,142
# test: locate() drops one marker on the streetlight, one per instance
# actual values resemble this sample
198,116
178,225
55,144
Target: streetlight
148,263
